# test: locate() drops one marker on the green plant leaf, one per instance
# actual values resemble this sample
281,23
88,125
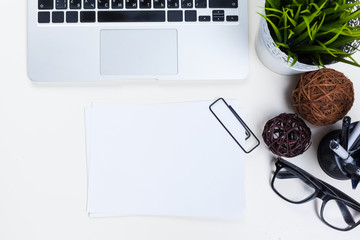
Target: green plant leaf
293,56
316,29
342,7
295,59
330,51
307,20
321,48
344,60
347,31
271,15
345,19
319,60
342,41
315,5
273,10
297,14
274,27
285,25
335,37
291,33
273,3
292,21
283,45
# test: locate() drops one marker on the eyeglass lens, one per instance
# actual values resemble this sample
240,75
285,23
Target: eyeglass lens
291,187
339,214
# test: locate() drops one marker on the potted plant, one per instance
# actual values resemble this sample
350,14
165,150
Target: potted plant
303,35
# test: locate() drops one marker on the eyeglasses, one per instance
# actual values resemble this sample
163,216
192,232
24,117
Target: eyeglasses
295,185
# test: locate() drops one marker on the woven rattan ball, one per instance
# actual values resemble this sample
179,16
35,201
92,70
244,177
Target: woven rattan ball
323,97
287,135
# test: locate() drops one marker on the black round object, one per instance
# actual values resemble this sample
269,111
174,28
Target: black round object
326,156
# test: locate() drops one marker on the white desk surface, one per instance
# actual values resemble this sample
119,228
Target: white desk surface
43,178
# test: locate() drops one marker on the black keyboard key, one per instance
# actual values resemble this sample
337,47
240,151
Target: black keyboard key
72,17
87,16
61,4
223,3
218,12
187,4
43,17
190,16
75,4
131,3
218,15
57,17
45,4
103,4
159,3
204,18
173,3
232,18
117,4
175,16
131,16
145,3
89,4
218,19
200,4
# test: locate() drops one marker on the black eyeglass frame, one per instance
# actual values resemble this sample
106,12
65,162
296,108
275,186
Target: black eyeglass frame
323,190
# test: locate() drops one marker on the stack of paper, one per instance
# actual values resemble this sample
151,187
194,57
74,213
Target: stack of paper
162,159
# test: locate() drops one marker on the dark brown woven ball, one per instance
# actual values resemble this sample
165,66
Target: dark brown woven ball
323,97
287,135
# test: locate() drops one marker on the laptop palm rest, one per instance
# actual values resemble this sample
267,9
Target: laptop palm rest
139,52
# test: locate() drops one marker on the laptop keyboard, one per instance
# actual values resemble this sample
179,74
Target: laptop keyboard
115,11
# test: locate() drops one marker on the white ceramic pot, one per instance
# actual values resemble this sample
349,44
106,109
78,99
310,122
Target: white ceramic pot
273,58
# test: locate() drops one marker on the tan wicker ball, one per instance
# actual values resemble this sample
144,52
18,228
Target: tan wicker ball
323,97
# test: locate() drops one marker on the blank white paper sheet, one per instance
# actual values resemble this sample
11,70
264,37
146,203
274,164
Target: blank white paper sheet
171,159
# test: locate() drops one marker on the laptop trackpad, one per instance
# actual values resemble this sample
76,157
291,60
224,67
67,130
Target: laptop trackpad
138,52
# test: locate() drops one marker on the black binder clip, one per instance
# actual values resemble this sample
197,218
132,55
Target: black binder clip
243,136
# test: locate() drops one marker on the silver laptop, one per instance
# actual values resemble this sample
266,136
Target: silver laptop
97,40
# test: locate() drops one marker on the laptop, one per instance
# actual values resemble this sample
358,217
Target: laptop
101,40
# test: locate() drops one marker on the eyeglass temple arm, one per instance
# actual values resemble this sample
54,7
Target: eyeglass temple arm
345,213
287,175
339,194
